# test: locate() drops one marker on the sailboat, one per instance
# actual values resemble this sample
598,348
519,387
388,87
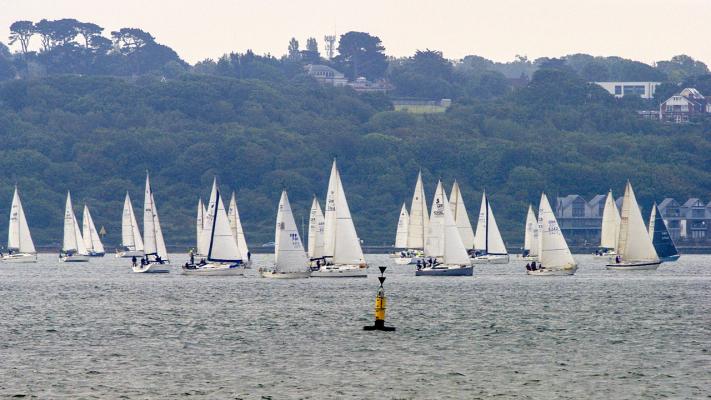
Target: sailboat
443,242
131,241
199,227
73,249
289,256
635,250
530,239
610,230
223,255
316,226
237,232
402,224
417,227
203,239
156,255
489,247
663,243
343,255
92,241
555,258
20,247
461,216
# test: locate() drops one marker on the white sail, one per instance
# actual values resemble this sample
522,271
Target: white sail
402,225
418,217
199,224
488,237
316,225
18,237
610,230
236,225
289,254
340,238
92,241
634,243
455,253
204,239
652,217
434,240
222,246
130,234
73,240
530,239
461,216
160,242
554,252
149,229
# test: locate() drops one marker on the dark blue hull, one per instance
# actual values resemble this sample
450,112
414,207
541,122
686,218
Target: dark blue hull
464,271
669,258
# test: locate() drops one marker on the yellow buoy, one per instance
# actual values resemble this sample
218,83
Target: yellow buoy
380,305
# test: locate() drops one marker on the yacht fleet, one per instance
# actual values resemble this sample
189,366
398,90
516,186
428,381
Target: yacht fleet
439,242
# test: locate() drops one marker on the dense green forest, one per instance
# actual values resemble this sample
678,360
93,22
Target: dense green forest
258,123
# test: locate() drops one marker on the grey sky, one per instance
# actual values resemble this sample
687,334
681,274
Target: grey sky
644,30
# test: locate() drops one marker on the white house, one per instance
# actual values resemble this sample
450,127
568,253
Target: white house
326,75
644,90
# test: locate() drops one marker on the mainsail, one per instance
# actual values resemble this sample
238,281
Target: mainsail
487,237
530,240
236,225
610,230
634,243
340,238
402,225
92,241
199,225
204,238
434,239
455,252
18,237
130,234
73,241
663,243
289,255
316,225
554,252
222,246
461,217
418,217
153,235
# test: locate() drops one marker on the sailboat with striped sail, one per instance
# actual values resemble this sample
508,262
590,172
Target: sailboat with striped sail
156,255
555,258
530,239
662,240
416,228
343,255
21,248
92,241
635,249
131,240
443,242
73,249
489,247
290,261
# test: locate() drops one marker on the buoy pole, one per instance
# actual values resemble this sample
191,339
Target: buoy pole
380,306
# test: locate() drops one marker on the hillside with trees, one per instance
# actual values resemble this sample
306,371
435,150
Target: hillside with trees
91,113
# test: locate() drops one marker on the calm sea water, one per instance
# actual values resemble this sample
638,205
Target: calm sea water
96,330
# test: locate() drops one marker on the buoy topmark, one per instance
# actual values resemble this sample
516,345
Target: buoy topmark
380,306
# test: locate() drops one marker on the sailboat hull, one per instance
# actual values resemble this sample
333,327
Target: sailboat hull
19,258
152,268
491,259
285,275
640,266
446,270
129,253
341,271
553,272
94,254
74,258
214,269
669,258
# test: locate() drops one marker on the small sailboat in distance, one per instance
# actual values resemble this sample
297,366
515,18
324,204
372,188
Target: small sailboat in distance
444,250
223,254
290,260
21,248
316,226
73,249
92,241
416,227
610,230
199,227
530,239
662,240
635,249
402,225
461,216
156,254
237,231
554,258
131,241
489,247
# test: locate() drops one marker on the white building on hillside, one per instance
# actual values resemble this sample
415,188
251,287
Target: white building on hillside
644,90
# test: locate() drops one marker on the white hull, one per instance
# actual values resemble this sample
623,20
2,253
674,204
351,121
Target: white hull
74,258
527,258
639,266
408,260
341,271
491,259
553,272
19,258
129,253
152,268
285,275
214,269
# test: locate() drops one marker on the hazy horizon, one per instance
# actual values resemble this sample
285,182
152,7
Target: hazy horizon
636,29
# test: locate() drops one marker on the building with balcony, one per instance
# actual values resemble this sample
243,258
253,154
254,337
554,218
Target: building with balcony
644,90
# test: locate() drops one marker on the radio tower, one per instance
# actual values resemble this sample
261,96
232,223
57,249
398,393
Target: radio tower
330,43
